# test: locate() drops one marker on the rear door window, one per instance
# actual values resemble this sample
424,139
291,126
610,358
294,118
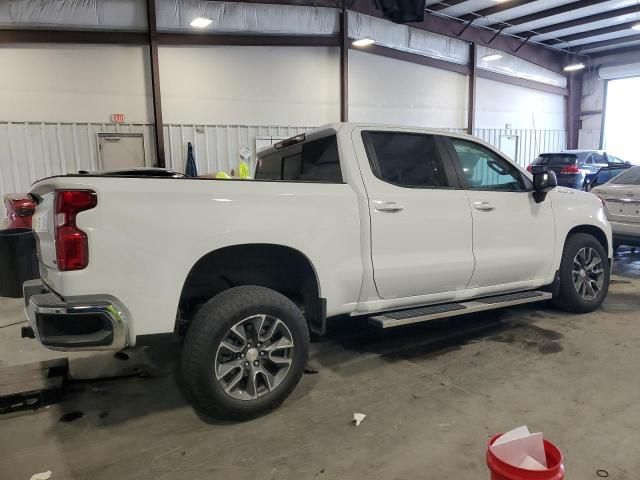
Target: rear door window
630,177
556,159
406,159
313,161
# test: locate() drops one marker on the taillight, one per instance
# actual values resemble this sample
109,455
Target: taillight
72,247
530,168
570,169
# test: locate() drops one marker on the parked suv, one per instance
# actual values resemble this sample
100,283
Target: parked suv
572,166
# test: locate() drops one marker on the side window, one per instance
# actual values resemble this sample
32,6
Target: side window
485,170
269,168
597,158
589,160
405,159
312,161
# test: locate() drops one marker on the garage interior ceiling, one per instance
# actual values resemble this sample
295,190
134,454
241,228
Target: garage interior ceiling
580,27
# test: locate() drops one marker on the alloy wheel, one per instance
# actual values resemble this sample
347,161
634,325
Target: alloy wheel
254,357
587,273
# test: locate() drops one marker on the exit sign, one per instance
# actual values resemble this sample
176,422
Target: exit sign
117,117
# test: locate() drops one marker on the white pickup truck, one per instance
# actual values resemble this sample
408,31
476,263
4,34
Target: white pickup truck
403,225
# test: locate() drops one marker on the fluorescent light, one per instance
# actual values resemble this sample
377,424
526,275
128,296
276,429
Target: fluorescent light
201,22
492,57
573,67
635,26
363,42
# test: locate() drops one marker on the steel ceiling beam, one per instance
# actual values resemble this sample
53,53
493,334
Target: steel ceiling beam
608,43
550,12
585,20
109,37
591,33
437,7
248,40
538,54
608,55
485,12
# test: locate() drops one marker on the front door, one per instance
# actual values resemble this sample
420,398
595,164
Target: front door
420,217
513,235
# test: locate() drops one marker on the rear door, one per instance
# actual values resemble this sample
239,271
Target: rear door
420,217
513,236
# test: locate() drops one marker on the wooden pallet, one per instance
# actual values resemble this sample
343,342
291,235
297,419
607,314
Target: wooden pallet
32,385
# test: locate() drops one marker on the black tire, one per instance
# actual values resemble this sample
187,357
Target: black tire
568,298
209,328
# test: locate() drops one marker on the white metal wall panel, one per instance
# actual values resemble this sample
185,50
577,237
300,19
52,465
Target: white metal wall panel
74,83
499,104
224,85
30,151
530,143
386,90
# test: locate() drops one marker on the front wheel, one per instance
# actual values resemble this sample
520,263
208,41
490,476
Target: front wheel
584,275
244,353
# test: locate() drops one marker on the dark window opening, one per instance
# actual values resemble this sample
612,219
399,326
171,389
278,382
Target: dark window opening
405,159
312,161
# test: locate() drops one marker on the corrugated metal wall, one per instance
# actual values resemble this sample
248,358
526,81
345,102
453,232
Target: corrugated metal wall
529,143
29,151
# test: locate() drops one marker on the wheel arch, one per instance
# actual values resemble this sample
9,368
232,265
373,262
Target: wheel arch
592,230
279,267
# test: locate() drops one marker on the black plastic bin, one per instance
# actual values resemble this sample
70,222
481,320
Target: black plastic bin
18,260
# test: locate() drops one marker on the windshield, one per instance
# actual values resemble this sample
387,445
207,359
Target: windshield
556,159
630,177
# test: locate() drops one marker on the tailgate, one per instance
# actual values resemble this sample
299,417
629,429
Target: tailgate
42,224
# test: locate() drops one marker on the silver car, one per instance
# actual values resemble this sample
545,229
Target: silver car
621,198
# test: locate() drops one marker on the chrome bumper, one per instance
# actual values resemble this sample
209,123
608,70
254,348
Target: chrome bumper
84,323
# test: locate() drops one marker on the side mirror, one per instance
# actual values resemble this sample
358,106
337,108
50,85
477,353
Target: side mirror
543,183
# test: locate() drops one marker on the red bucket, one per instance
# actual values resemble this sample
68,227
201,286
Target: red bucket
503,471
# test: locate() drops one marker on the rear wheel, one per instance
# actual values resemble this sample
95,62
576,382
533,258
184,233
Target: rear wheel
244,353
584,274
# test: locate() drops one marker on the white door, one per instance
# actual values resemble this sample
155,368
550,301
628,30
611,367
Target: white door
118,150
420,218
513,235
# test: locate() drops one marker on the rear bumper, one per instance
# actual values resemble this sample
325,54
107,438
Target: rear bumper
625,233
86,323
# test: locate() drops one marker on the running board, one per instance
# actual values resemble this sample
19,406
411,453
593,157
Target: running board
423,314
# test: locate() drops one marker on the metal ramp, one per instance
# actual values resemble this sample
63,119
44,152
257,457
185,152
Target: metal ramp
424,314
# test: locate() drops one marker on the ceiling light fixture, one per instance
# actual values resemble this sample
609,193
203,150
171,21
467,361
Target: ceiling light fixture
635,26
363,42
492,57
201,22
573,67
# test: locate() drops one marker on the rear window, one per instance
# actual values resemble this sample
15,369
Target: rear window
629,177
555,159
312,161
405,159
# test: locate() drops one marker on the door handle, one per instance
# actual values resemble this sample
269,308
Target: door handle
387,207
483,206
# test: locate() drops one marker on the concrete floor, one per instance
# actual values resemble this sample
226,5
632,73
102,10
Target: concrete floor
433,394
